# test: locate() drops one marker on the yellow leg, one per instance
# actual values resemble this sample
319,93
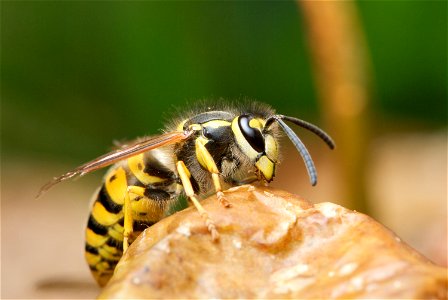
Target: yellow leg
185,175
128,219
206,160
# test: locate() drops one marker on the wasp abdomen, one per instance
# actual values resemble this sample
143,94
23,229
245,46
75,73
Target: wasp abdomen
104,232
105,227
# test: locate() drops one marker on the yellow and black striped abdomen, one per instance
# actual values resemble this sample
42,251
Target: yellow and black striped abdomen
104,233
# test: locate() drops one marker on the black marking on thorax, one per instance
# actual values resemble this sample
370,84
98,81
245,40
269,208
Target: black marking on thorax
220,139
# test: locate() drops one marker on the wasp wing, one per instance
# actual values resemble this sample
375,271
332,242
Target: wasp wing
119,154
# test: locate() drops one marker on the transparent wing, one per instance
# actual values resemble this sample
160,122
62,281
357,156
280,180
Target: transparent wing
119,154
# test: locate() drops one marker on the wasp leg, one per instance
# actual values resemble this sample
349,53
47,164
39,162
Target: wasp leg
206,160
127,209
185,175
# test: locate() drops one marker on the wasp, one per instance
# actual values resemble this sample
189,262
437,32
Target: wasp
206,150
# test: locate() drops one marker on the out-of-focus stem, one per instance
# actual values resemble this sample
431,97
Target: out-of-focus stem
339,57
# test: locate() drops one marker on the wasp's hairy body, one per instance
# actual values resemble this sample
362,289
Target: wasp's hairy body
204,151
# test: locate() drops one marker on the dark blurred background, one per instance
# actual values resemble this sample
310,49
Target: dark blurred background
77,75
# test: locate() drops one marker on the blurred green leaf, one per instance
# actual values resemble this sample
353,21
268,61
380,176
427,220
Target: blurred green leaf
78,74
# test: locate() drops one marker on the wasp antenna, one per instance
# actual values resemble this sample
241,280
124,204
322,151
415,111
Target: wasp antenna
302,150
304,124
311,127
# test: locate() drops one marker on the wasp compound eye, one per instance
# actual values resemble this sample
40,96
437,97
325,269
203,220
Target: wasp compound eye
252,135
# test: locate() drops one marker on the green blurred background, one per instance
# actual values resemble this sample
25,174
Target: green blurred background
77,75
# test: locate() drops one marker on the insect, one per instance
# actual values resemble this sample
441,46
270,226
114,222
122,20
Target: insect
201,152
